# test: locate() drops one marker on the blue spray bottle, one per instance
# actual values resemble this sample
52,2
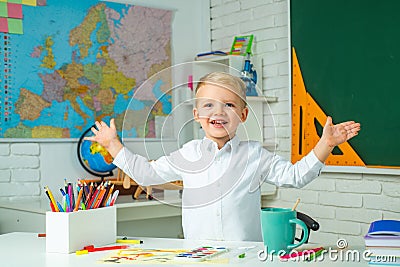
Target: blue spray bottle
249,76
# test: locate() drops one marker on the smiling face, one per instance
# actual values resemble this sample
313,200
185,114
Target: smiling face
219,110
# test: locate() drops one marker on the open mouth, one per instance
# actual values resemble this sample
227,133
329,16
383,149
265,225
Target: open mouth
218,122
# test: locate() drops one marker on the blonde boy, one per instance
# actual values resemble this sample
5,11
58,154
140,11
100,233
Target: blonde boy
220,173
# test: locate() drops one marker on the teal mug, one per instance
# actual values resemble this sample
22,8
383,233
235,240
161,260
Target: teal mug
278,227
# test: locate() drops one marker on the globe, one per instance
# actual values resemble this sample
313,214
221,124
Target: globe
93,157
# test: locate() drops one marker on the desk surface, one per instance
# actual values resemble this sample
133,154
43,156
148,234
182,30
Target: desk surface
27,249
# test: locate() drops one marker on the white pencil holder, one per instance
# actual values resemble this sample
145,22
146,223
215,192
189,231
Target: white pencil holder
67,232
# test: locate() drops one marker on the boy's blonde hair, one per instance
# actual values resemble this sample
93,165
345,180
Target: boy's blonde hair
224,80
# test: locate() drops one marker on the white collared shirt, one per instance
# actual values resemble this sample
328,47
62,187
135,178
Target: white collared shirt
221,198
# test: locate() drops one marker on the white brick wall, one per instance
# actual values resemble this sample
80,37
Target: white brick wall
343,203
19,170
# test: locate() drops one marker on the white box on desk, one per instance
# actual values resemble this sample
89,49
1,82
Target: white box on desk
68,232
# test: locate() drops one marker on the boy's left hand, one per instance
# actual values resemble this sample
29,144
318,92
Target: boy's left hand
337,134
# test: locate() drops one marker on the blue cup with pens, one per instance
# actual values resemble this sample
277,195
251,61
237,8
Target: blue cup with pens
279,229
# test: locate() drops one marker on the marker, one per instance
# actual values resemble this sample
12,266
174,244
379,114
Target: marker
67,208
91,248
130,241
71,197
241,256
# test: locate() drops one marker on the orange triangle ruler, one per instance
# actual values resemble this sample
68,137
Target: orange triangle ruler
305,113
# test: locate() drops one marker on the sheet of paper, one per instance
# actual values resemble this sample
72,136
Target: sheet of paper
153,256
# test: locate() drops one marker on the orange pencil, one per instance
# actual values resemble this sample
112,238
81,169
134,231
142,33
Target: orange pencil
78,201
100,198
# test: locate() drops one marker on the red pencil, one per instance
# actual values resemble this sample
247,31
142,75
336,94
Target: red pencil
93,198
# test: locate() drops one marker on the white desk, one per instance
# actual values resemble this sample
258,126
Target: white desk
161,218
27,249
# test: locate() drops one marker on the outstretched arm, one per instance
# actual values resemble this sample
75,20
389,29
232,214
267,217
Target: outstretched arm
107,137
334,135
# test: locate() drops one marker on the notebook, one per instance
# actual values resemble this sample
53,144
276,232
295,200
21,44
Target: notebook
384,227
383,233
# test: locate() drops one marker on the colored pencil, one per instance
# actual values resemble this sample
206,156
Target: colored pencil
52,199
78,201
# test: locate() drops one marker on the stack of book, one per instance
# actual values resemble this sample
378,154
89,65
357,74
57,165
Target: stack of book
383,241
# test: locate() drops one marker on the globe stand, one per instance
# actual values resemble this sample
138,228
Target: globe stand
101,175
120,179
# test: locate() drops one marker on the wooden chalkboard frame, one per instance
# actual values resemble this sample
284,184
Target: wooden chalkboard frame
349,55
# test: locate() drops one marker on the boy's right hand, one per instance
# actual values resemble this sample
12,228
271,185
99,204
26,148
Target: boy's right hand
106,136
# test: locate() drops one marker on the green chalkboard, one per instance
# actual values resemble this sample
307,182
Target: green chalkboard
349,55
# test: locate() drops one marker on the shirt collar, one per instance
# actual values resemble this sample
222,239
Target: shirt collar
232,144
